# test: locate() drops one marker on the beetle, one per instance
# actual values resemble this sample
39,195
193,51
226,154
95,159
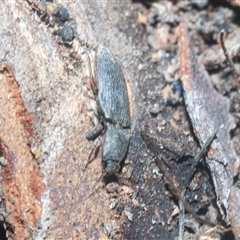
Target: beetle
113,110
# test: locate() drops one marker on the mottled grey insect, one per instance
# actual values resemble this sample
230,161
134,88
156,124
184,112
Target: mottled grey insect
113,110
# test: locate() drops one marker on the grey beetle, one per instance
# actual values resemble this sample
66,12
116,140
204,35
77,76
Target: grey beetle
113,110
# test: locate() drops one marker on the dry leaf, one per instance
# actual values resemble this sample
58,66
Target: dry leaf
209,112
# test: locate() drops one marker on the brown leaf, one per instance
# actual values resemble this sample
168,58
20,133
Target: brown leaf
209,112
233,211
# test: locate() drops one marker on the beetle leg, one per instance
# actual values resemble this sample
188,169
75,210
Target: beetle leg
92,82
96,131
92,155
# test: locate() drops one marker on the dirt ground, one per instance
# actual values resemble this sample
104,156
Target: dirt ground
182,91
175,122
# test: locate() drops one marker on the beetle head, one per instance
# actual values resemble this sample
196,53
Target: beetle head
111,167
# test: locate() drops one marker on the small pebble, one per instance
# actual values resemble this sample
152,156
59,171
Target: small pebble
199,3
62,14
67,34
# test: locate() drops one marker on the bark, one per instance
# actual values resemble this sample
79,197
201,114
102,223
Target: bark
52,79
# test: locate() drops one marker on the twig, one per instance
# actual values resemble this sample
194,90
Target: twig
93,153
229,60
199,156
173,185
181,219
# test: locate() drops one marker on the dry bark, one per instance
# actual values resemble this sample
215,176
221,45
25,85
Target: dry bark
52,81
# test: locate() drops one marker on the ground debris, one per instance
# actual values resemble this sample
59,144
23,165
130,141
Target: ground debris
233,211
209,112
213,57
234,2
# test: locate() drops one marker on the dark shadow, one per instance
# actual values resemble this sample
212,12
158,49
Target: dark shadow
146,3
228,236
2,233
110,179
